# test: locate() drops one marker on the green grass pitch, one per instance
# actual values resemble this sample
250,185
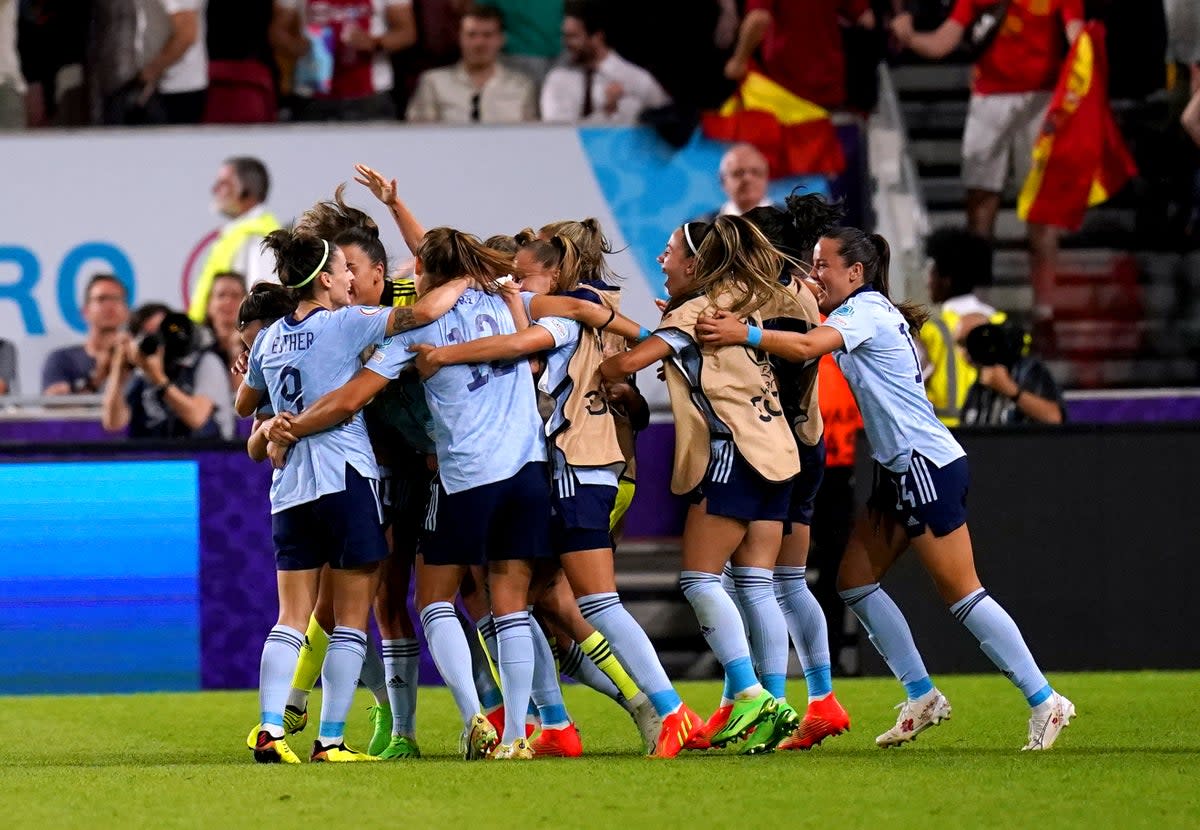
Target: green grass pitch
179,760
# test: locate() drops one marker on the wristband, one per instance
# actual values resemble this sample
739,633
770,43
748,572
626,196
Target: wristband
612,315
644,333
753,336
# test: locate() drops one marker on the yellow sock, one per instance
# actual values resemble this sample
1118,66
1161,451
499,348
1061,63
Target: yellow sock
312,656
600,652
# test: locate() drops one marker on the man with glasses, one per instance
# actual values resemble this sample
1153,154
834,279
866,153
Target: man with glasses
81,369
478,89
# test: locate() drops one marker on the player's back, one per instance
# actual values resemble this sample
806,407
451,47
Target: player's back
485,415
299,361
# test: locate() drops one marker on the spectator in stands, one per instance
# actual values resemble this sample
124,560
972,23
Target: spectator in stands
228,291
165,381
343,52
82,369
1183,30
1013,387
744,174
12,82
239,192
1014,79
478,89
173,57
596,84
242,77
532,34
52,36
8,368
961,261
801,45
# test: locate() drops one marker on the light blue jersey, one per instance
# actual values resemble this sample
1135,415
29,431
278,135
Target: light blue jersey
880,364
558,385
485,415
299,362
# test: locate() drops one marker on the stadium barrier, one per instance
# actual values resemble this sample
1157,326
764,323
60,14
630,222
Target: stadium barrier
149,564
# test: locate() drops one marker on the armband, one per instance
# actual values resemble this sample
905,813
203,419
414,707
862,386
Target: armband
753,336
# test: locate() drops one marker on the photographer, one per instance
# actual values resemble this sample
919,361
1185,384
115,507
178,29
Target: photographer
166,381
1012,388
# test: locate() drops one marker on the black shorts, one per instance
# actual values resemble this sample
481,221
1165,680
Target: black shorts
405,489
581,521
735,490
806,485
924,497
507,519
343,530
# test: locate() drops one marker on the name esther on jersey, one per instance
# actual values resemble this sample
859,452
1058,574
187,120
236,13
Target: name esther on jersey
292,341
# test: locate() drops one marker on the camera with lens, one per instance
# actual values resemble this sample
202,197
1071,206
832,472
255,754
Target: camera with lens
177,336
995,344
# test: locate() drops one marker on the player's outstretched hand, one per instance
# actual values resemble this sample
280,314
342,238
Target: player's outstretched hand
721,329
427,361
384,190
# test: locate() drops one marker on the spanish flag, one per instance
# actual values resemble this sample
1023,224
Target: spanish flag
1080,159
795,135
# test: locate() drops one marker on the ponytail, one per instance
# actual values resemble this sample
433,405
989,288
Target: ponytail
300,257
590,243
556,252
873,252
447,254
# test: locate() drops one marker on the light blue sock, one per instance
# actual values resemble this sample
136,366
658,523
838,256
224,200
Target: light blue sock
576,665
768,630
339,680
1001,640
806,624
279,655
632,647
514,641
730,588
485,681
722,629
546,693
891,636
402,662
451,655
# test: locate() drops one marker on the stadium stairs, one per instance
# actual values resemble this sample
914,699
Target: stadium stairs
1127,308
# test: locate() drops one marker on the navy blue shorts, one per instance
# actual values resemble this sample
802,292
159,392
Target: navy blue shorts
507,519
735,490
342,530
806,485
926,497
405,488
581,521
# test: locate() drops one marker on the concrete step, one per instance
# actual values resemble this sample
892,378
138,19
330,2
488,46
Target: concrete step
950,114
946,79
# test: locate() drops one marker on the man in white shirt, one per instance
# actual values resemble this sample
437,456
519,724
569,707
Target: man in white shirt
174,59
478,89
596,85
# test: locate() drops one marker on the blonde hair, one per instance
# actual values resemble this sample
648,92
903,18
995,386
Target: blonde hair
556,252
736,258
590,242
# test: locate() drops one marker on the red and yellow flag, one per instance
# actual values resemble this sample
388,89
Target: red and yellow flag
1080,159
795,135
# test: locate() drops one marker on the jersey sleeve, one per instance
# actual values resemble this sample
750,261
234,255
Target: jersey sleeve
963,12
854,322
563,331
391,357
254,371
363,326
